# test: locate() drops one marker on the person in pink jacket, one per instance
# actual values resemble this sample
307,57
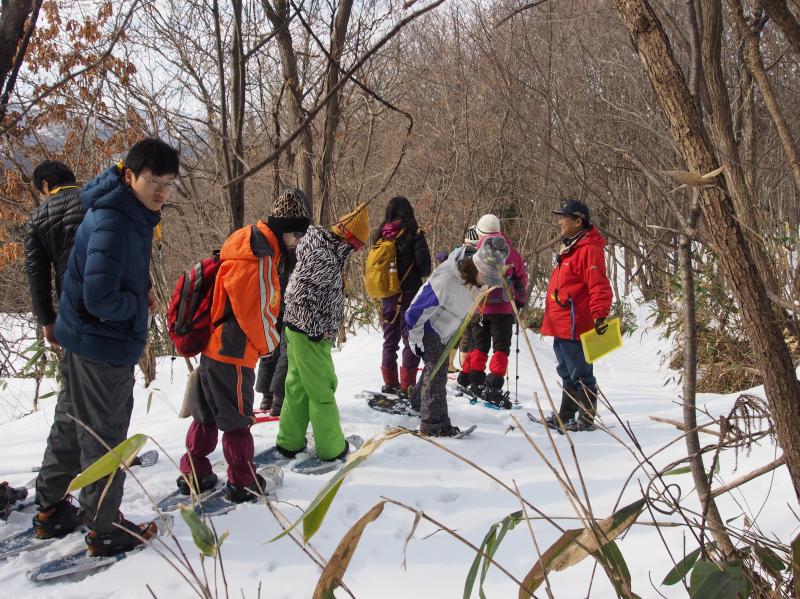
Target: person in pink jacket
495,325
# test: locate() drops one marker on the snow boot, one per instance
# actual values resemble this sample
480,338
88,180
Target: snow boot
579,425
477,378
243,493
569,408
391,382
463,379
206,482
587,401
408,378
266,402
8,497
493,392
552,422
277,404
58,520
444,431
120,540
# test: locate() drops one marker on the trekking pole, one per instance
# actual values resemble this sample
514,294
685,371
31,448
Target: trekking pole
516,368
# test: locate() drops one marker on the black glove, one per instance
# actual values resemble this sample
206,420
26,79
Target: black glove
419,351
600,325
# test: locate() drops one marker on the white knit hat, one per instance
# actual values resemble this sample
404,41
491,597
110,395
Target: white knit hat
488,225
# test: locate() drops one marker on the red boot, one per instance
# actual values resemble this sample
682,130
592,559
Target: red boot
391,384
408,378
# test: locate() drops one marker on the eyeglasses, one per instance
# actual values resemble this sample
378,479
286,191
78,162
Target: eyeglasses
158,185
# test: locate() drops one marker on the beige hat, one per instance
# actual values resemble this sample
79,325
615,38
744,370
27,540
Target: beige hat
488,224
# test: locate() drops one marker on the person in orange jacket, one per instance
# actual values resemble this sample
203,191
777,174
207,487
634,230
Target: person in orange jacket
245,307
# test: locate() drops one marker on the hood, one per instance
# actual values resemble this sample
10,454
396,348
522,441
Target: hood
246,244
108,191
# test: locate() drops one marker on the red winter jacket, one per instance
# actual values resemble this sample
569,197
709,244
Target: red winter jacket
578,291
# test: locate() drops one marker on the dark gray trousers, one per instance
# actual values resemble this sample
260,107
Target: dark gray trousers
432,399
272,375
99,395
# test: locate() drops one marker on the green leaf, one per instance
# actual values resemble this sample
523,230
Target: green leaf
202,535
469,583
314,515
709,581
676,471
124,453
149,402
682,568
770,560
613,562
796,565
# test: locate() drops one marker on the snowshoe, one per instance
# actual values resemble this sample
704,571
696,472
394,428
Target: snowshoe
313,465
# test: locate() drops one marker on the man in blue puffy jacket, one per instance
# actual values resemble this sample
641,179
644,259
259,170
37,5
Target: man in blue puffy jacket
102,324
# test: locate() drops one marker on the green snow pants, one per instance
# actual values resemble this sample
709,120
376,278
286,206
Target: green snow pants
310,397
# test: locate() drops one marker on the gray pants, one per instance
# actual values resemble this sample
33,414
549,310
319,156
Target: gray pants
432,402
99,395
272,375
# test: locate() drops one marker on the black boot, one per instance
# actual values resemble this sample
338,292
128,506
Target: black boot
569,407
242,493
463,379
493,392
476,381
58,520
587,398
266,401
206,482
120,540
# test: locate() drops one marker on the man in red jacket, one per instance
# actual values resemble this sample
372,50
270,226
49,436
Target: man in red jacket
578,299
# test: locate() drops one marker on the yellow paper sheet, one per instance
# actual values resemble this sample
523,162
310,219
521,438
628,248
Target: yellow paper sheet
596,346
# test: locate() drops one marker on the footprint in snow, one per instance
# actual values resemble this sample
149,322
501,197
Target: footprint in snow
448,497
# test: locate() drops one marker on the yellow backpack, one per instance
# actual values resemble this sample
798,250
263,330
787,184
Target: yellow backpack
380,273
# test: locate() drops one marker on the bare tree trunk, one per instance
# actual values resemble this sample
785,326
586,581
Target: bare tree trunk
278,16
736,260
14,40
236,191
755,64
780,13
332,112
701,481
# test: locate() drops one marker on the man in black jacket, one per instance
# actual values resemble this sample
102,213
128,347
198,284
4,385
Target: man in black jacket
48,238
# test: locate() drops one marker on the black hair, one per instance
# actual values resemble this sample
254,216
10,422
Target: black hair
52,172
468,271
151,153
398,208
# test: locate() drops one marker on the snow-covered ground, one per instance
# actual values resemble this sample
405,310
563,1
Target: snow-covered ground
420,475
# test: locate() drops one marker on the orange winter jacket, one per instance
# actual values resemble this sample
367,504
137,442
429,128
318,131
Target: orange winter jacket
247,298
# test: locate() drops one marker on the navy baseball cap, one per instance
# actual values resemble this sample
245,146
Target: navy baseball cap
574,208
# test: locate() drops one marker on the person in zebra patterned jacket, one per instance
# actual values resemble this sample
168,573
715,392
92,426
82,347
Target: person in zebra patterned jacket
314,304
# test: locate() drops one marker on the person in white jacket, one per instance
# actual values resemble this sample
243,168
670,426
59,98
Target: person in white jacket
436,313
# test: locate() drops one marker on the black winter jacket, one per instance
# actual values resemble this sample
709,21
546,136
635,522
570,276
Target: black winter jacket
413,252
48,241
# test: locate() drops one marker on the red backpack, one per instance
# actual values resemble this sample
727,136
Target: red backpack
189,314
